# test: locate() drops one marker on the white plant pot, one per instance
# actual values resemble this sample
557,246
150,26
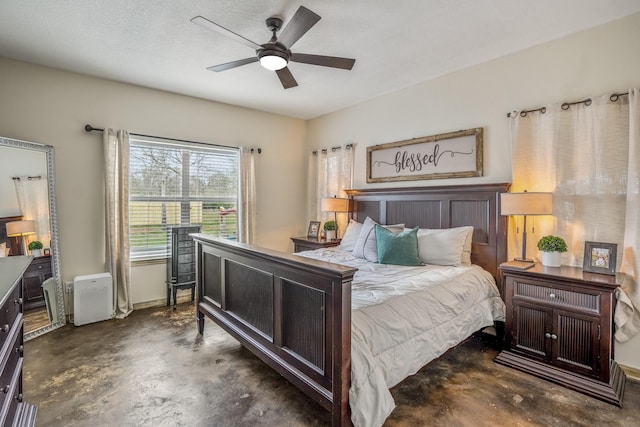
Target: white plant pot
551,259
36,252
330,234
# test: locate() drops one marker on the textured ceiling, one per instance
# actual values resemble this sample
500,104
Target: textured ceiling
397,44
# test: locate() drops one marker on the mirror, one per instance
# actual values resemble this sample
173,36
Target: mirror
44,312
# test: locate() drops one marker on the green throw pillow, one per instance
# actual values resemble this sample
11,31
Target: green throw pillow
397,249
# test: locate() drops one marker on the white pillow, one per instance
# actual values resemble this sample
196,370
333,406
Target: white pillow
447,246
350,237
366,246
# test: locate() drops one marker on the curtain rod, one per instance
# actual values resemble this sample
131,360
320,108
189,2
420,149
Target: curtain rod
89,128
324,150
565,105
17,178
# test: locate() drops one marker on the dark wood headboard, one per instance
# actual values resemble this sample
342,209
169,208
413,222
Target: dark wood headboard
442,207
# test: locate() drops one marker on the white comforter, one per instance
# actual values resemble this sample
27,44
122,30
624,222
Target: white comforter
404,317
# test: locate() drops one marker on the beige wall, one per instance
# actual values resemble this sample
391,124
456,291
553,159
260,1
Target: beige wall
593,62
51,107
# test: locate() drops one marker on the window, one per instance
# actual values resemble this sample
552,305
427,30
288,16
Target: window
176,183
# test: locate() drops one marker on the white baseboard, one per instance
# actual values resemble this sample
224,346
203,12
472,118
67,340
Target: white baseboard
631,373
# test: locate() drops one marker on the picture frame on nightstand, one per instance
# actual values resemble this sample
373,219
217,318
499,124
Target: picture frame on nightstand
314,229
600,258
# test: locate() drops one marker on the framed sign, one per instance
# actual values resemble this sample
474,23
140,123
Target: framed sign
448,155
600,257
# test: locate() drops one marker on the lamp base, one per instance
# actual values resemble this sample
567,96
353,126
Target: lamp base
518,264
524,260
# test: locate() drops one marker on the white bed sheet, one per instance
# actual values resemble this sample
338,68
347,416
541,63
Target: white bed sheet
405,317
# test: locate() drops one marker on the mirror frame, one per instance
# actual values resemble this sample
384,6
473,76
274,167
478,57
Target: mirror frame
53,224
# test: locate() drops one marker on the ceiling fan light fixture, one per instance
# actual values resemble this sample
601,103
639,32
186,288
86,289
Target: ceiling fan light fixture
273,60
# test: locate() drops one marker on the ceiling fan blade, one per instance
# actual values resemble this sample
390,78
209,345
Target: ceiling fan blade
325,61
286,78
301,22
210,25
232,64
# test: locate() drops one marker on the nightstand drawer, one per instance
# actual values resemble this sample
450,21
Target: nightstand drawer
555,296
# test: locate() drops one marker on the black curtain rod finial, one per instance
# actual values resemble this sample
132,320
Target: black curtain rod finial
89,128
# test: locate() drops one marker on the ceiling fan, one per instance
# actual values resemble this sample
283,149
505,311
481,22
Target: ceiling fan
275,54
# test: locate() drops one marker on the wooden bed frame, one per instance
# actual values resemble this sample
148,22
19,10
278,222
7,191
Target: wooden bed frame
294,313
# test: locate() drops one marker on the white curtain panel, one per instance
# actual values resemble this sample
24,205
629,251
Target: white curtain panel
584,154
330,174
116,157
627,315
247,203
33,200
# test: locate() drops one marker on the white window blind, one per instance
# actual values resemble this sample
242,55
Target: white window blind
176,183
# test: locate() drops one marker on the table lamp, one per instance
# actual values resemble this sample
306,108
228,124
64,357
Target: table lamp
526,204
19,229
335,204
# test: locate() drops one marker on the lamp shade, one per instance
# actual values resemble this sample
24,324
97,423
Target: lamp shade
20,228
526,203
334,204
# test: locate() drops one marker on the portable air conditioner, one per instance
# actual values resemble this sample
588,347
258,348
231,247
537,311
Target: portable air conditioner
92,298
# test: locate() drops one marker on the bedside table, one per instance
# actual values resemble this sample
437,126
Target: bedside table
559,326
308,244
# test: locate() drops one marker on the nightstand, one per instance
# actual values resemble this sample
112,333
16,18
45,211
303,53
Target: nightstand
308,244
559,326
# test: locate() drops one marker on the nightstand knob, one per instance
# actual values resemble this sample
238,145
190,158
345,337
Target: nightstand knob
554,337
552,296
547,335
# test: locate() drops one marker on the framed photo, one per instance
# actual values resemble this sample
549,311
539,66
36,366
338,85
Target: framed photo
447,155
600,257
314,229
46,251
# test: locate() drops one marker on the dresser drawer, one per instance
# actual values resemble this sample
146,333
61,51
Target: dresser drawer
556,296
9,313
186,259
10,375
11,395
186,244
186,268
184,278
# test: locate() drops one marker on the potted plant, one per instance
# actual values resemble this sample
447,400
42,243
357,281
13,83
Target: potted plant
36,248
330,229
552,248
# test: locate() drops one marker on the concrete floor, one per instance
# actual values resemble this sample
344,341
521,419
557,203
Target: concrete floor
153,369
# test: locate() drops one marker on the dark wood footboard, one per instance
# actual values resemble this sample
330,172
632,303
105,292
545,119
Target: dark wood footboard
292,312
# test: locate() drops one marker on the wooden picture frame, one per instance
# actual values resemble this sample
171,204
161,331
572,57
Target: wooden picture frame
600,258
447,155
46,251
314,229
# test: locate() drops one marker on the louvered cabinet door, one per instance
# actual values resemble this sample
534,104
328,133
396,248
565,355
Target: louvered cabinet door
530,323
575,340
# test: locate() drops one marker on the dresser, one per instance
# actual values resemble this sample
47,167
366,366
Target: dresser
33,278
559,326
181,265
311,243
14,410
